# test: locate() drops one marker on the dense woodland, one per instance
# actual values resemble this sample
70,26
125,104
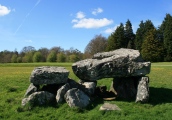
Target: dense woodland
154,44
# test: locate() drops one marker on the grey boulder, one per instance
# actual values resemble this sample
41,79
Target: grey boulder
89,87
61,92
49,75
39,98
76,98
117,63
31,89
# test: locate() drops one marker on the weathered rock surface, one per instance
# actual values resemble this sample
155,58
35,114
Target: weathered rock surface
143,90
108,106
39,98
89,87
132,54
61,92
74,84
86,87
76,98
118,63
31,89
49,75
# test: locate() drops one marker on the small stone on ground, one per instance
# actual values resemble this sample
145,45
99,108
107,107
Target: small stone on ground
108,106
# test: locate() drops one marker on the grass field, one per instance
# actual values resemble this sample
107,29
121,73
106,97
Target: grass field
14,80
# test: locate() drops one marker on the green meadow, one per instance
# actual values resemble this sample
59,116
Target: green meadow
14,81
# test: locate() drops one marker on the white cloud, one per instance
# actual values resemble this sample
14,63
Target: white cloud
97,11
91,23
4,10
82,22
74,20
110,30
28,41
80,15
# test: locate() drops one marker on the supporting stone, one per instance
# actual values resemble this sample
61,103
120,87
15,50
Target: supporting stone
89,87
143,90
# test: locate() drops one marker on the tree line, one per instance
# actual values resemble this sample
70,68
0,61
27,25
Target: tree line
154,44
29,54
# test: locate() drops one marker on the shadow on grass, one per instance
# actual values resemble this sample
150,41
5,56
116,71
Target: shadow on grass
97,101
157,96
160,95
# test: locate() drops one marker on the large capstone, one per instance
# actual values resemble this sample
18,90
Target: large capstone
117,63
49,75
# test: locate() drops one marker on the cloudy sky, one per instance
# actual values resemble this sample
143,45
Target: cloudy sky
71,23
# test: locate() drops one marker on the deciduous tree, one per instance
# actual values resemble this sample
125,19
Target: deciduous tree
52,56
37,57
61,57
97,44
14,58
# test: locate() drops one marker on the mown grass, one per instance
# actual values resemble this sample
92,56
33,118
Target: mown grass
14,80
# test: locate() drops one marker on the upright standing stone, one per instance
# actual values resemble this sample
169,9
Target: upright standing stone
143,90
49,75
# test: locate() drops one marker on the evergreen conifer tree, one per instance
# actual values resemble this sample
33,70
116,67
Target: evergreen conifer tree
116,40
139,36
141,33
152,48
166,32
129,35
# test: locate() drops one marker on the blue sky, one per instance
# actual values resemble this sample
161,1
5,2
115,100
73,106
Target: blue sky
71,23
